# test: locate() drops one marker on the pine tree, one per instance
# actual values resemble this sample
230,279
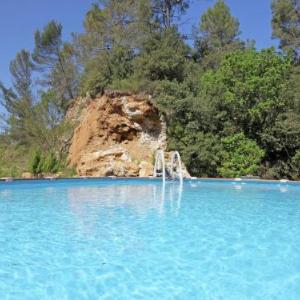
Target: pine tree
54,57
18,100
218,27
286,25
167,12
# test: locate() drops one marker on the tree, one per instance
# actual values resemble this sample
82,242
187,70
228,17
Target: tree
218,27
112,23
54,56
163,57
18,100
282,139
296,165
51,129
240,156
200,152
21,70
108,67
217,36
286,25
167,12
247,91
114,32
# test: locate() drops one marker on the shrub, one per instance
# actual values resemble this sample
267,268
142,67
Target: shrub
35,163
43,164
201,154
240,156
296,165
50,164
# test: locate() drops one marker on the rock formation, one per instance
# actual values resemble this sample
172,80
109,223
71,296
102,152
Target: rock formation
117,135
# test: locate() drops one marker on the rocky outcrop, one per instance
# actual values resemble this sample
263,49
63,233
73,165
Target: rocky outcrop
117,135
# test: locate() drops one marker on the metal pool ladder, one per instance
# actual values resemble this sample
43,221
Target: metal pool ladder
174,169
160,165
175,173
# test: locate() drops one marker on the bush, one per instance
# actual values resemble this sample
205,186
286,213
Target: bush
50,164
43,164
35,163
240,156
296,165
13,158
280,169
200,153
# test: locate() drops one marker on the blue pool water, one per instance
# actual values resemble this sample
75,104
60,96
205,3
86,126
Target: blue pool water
138,239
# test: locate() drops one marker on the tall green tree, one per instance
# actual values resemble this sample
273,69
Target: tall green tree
54,57
168,12
18,100
163,57
249,88
217,36
218,27
21,70
112,23
114,32
286,25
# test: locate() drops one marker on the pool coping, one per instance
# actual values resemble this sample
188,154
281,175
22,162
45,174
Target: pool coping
235,180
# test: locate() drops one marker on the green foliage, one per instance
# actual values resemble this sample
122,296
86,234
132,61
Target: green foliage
18,100
106,68
50,164
218,27
114,23
163,57
249,88
230,110
286,25
172,99
200,152
166,12
47,44
97,75
21,70
282,139
294,88
43,163
12,159
240,156
217,36
35,163
296,164
55,58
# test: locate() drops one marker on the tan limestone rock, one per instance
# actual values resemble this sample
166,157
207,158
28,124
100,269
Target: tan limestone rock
116,131
27,175
146,169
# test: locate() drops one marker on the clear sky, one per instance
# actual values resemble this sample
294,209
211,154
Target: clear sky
20,18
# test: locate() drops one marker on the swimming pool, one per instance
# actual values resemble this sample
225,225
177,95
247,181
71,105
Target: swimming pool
140,239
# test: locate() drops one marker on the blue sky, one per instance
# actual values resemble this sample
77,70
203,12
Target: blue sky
20,18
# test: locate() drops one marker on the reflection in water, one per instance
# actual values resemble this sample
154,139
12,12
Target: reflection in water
283,189
5,193
175,197
139,199
238,187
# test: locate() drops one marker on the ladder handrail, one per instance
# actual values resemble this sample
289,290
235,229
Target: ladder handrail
160,159
175,155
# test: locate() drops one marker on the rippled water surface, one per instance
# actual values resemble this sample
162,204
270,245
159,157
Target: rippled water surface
138,239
